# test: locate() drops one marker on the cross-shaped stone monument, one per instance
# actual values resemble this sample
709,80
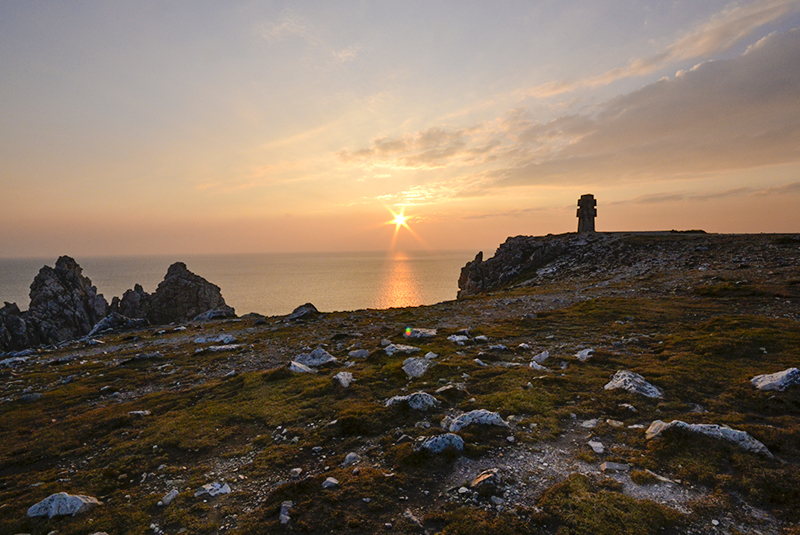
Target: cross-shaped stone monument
587,211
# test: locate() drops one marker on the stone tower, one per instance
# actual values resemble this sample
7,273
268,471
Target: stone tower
587,211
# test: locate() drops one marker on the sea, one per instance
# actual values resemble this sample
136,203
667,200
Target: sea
272,284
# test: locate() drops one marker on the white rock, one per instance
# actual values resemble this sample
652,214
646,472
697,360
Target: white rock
400,348
476,417
584,354
61,504
777,381
350,459
139,413
420,401
441,443
415,332
633,383
296,367
538,367
430,355
359,354
481,339
225,339
284,514
596,446
541,357
345,379
295,472
590,424
524,346
479,362
330,483
740,438
318,357
213,489
168,497
458,339
415,367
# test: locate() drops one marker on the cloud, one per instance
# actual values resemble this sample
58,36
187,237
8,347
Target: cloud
291,25
657,198
721,115
718,34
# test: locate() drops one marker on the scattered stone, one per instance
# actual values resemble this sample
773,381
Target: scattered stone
330,483
615,423
295,472
415,367
296,367
168,497
218,313
590,424
740,438
486,483
538,367
458,339
116,322
225,339
442,443
430,355
391,349
350,459
524,346
345,379
498,347
628,406
29,398
481,339
303,312
596,446
283,516
633,383
614,467
541,357
62,504
316,358
213,489
777,381
584,354
476,417
414,332
420,401
359,354
480,363
140,414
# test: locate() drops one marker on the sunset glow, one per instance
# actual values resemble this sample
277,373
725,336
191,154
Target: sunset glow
234,127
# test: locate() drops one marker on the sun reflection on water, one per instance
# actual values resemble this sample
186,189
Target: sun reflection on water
399,284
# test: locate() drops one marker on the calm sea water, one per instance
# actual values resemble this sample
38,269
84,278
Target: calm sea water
273,284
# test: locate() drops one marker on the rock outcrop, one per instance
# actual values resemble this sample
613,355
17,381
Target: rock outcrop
180,297
721,432
13,329
62,504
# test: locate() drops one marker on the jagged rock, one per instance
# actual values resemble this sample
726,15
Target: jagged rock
296,367
487,482
180,297
318,357
117,322
541,357
13,329
633,383
213,489
458,339
420,401
61,504
345,379
415,332
596,446
442,443
777,381
330,483
740,438
538,367
64,304
219,313
584,354
415,367
476,417
303,312
359,353
391,349
284,514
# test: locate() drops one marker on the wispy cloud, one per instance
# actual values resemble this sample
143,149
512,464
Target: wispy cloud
719,33
289,25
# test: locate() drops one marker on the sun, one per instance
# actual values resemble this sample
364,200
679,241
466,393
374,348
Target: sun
400,220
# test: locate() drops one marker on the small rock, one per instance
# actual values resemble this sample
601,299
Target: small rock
615,423
225,339
316,358
614,467
481,339
351,459
779,381
139,413
296,367
476,417
590,424
62,504
168,497
596,446
359,354
415,367
345,379
330,483
400,348
213,489
584,354
303,312
420,401
419,333
458,339
541,357
486,483
633,383
442,443
538,367
284,514
295,472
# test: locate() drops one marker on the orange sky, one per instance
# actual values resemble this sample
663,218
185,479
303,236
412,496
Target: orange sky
206,127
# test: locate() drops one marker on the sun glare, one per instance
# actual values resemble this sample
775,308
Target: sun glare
400,220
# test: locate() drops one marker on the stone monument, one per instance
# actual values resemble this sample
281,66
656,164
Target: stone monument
587,211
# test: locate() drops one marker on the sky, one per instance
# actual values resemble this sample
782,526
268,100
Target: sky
169,127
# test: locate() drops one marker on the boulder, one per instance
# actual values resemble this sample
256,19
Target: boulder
64,304
330,483
225,339
219,313
345,379
476,417
62,504
13,329
420,401
633,383
443,443
777,381
359,353
721,432
350,459
416,332
415,367
318,357
391,349
304,313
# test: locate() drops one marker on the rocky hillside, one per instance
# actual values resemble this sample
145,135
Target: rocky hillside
640,383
